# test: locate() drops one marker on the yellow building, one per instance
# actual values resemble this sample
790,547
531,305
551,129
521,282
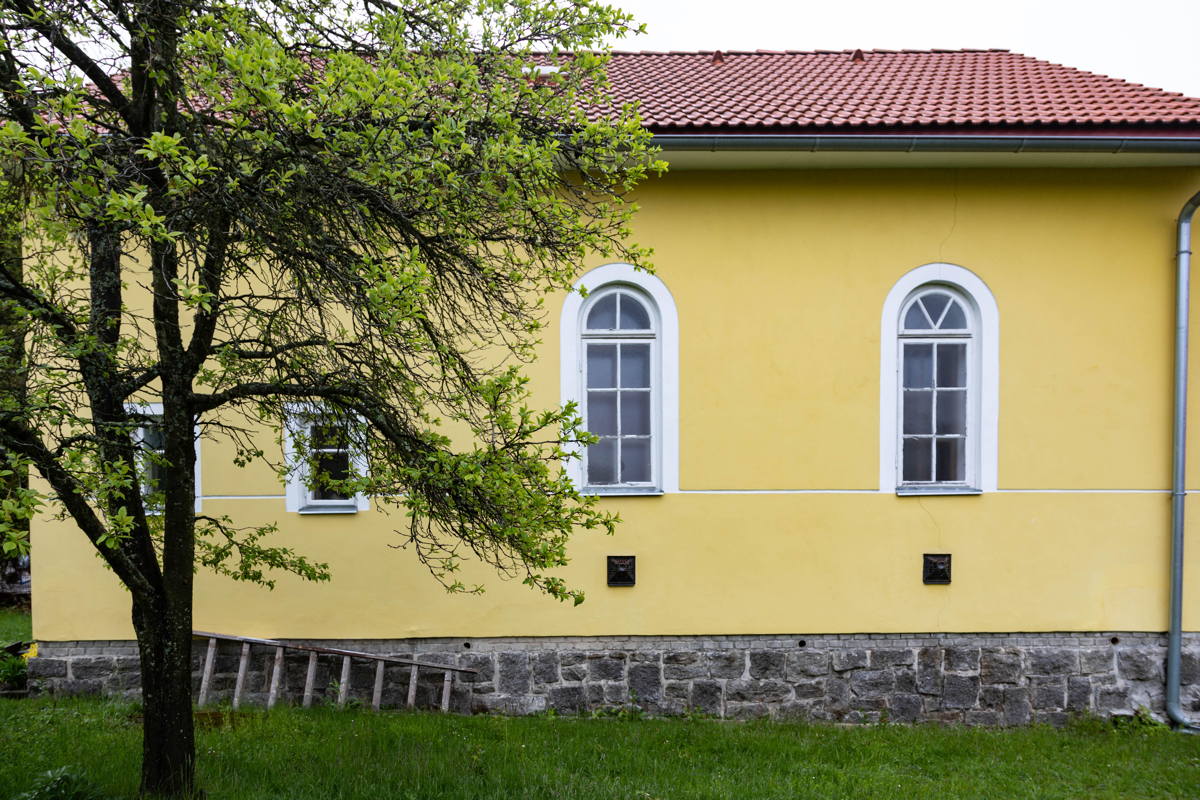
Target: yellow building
889,429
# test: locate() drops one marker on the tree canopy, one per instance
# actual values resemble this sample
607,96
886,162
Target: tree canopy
237,208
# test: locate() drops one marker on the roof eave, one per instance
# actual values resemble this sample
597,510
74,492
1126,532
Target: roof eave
932,142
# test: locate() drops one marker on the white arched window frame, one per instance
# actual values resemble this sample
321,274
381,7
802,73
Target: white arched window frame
982,338
657,299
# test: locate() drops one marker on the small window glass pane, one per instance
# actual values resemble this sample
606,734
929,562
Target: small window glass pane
601,366
602,462
915,320
918,412
635,460
635,413
153,479
331,466
918,366
951,411
634,316
950,459
602,413
603,316
152,438
635,365
918,463
935,304
951,365
955,319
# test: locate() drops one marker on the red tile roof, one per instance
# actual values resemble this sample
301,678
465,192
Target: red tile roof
885,91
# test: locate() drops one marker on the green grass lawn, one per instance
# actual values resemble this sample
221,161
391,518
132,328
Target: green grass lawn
15,625
325,753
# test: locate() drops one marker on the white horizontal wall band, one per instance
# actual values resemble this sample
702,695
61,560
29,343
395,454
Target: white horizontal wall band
789,491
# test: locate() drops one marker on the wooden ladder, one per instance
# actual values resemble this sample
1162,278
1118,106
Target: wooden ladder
313,651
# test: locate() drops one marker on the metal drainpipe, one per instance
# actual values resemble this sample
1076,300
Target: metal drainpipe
1179,463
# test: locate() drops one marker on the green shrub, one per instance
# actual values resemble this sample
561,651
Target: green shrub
61,784
13,671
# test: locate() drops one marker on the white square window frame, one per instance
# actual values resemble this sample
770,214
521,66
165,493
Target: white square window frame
298,497
156,410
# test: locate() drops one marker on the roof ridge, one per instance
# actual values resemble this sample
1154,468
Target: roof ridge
848,50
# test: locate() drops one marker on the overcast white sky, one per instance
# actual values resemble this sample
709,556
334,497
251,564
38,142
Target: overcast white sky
1153,42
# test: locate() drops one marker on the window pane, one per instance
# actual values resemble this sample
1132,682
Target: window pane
918,412
334,466
635,413
152,481
915,320
602,462
603,316
935,304
633,314
328,437
918,366
951,412
601,366
950,457
635,461
955,319
951,365
917,459
152,438
602,413
635,365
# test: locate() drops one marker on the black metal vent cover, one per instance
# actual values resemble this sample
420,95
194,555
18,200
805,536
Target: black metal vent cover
622,570
935,568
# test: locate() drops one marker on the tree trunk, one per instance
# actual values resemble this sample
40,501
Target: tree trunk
168,741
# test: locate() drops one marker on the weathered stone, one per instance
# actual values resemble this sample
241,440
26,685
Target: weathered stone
991,697
643,658
545,667
809,690
849,659
869,703
962,659
999,666
569,658
676,690
605,669
1094,661
726,663
1049,694
806,664
92,668
681,657
706,697
595,694
575,672
1055,718
837,693
764,691
47,668
645,683
513,669
1189,667
906,681
929,670
134,664
872,683
989,718
745,711
1112,698
1053,661
616,694
1079,694
960,691
795,712
1016,706
483,666
891,657
1139,665
766,664
121,681
73,687
905,707
684,665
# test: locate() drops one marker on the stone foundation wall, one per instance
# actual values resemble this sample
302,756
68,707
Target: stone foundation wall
977,679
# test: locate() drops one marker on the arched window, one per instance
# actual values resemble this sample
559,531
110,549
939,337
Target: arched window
620,364
939,384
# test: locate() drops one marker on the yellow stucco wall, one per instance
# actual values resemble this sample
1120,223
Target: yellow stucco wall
779,280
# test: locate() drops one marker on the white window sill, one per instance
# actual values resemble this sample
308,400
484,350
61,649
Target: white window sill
349,508
923,491
623,491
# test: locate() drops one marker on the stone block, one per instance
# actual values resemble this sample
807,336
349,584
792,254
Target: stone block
1138,665
875,702
569,658
74,687
1096,661
595,694
513,673
999,666
706,697
1110,699
544,666
808,690
42,668
806,664
644,658
844,660
616,694
906,680
483,666
605,669
1079,693
747,711
1053,661
960,691
575,672
1017,710
683,665
764,691
1056,719
766,664
872,682
891,657
676,690
1189,667
795,712
645,683
929,670
92,667
905,707
991,697
726,663
1049,694
961,659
